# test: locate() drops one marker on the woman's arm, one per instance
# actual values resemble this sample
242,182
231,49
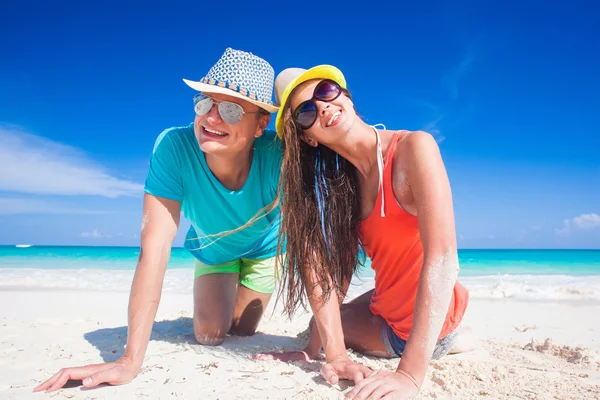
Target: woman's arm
330,335
427,179
418,166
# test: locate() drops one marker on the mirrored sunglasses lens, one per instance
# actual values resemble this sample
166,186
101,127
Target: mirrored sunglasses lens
230,112
327,90
203,105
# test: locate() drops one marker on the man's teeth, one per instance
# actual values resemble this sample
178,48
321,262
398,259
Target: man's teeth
334,118
215,132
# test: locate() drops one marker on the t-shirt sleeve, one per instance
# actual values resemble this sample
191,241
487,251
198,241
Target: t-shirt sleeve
164,174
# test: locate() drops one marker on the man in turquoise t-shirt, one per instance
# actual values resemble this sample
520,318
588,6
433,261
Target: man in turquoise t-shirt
222,172
179,171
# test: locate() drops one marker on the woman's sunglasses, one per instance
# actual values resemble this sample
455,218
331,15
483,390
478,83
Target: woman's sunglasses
231,113
306,113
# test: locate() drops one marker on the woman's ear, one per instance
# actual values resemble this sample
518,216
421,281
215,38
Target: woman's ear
309,141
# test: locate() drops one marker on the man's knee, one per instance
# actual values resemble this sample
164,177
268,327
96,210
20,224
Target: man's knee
243,330
209,334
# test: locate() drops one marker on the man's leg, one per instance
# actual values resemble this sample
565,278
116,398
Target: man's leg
249,308
257,283
215,291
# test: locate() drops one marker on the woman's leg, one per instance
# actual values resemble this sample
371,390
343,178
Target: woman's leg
362,332
362,329
466,340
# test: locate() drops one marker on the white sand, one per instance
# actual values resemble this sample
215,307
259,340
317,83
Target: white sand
42,331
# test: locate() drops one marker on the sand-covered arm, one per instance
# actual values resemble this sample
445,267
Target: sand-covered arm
429,184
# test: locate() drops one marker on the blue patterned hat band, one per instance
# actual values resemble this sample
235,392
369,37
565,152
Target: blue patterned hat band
240,74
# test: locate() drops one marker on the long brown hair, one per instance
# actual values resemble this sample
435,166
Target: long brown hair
320,213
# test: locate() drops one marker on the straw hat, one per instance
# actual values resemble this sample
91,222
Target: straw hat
242,75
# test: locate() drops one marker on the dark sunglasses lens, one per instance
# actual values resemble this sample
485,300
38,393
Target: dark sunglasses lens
306,115
327,91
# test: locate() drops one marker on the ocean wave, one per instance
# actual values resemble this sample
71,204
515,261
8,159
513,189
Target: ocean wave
546,287
176,280
180,280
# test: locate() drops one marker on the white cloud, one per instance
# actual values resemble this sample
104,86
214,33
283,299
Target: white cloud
95,234
451,79
15,206
582,222
434,129
528,231
36,165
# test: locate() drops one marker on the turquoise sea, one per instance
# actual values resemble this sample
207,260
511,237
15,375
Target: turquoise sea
531,274
472,262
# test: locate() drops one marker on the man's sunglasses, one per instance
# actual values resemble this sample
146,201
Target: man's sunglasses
231,113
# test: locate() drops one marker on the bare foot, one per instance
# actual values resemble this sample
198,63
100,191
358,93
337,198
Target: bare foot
466,340
288,356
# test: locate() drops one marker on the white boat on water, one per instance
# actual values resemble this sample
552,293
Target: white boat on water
24,245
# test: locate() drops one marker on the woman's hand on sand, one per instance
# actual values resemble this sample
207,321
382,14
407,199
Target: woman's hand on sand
289,356
115,373
344,368
384,385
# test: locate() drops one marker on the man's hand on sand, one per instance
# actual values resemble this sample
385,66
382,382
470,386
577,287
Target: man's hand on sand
115,373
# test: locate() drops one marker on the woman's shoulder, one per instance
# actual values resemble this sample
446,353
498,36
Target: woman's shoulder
415,151
414,143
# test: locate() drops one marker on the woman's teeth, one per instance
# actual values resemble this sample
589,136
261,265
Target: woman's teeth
215,132
334,118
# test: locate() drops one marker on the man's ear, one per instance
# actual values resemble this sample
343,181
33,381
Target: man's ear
309,141
263,122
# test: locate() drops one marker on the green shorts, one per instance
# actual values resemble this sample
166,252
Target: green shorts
256,274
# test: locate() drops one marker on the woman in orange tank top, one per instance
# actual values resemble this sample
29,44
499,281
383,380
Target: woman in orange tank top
346,184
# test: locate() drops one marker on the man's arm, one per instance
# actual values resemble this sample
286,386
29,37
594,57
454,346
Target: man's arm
159,227
160,222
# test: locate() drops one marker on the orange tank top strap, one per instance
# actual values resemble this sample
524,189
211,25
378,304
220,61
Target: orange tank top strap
384,167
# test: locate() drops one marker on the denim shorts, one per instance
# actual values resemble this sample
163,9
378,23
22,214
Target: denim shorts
394,345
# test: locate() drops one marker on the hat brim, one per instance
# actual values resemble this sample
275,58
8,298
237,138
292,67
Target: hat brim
206,88
318,72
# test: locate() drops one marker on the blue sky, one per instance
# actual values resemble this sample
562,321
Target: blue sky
509,89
